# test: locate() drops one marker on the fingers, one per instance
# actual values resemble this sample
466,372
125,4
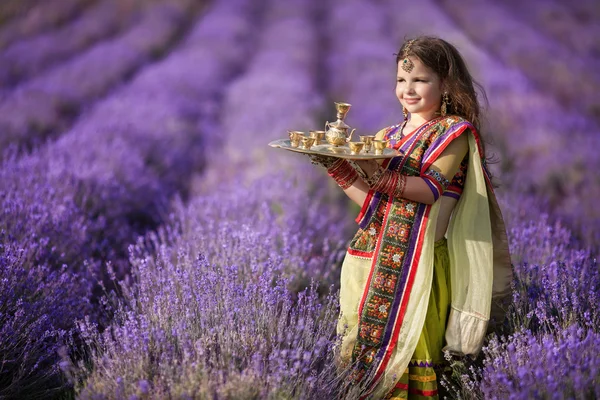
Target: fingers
324,161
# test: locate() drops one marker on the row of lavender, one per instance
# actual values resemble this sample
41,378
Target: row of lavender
81,200
21,19
519,44
29,56
218,307
47,103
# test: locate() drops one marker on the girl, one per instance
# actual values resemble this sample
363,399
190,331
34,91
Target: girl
429,263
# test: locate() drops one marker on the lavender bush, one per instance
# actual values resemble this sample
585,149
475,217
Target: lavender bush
199,330
561,369
242,322
115,183
233,323
42,217
266,226
555,284
37,306
83,199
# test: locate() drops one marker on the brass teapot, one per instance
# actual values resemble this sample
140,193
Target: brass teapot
336,133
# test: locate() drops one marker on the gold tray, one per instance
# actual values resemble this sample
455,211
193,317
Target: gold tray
335,151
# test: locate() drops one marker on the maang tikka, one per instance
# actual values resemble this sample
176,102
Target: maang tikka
407,64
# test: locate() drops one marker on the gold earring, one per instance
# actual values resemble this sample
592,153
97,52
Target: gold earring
405,113
445,101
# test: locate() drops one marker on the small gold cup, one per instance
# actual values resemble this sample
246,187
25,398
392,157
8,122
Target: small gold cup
295,137
307,142
318,135
380,146
368,141
355,147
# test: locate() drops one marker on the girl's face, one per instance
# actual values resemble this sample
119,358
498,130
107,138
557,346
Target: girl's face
420,90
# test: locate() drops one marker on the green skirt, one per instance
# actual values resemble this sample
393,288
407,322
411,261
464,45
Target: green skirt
420,380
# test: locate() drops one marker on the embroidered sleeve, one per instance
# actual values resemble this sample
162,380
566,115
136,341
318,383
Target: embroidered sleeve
458,182
447,162
436,181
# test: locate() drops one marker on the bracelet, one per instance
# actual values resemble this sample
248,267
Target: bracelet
358,170
400,186
389,182
343,174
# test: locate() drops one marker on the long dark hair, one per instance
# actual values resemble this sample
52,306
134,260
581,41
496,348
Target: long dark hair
445,60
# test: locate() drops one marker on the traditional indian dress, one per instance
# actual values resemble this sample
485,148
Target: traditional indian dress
403,296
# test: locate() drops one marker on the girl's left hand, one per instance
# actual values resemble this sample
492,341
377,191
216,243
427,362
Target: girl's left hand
324,161
368,166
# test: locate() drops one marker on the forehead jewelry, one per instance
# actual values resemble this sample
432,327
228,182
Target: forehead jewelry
407,64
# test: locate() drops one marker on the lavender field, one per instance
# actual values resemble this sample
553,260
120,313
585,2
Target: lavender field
152,246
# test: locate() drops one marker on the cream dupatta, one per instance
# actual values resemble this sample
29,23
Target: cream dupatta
480,272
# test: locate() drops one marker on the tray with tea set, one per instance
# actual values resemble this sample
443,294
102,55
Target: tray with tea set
335,141
339,151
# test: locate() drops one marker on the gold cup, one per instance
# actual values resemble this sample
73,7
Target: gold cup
380,145
307,142
295,137
355,147
368,141
318,135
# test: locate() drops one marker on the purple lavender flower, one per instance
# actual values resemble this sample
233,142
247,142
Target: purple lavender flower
561,367
37,306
